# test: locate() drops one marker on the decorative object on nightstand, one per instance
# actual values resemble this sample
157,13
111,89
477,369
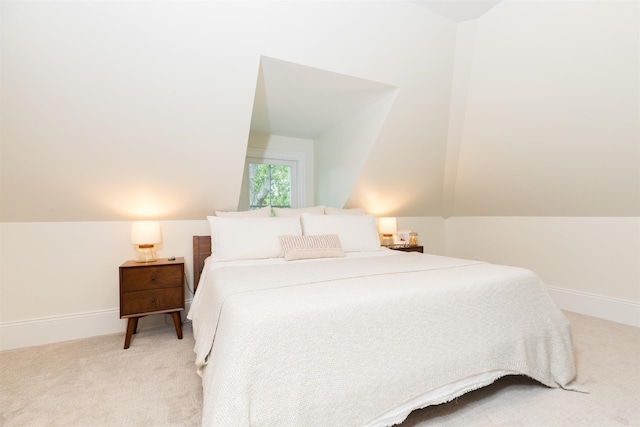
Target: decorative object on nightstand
402,238
387,227
144,234
413,238
152,288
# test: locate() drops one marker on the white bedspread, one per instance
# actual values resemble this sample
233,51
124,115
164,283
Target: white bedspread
351,342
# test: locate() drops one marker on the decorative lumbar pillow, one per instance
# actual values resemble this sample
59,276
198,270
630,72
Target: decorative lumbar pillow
306,247
250,238
338,211
357,233
297,212
261,213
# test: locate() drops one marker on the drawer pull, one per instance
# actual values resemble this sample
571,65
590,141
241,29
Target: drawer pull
153,278
153,300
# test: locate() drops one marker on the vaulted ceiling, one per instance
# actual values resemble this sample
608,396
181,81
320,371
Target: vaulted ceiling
300,101
458,10
110,108
304,102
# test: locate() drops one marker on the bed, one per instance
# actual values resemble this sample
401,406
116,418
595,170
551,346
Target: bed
360,337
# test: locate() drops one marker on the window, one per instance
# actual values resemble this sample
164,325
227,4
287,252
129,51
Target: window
269,185
273,178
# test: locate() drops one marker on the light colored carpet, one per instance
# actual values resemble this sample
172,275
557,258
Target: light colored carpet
94,382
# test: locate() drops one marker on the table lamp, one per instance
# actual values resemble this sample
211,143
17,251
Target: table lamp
387,226
144,234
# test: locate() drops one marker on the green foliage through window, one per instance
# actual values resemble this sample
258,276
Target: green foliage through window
269,185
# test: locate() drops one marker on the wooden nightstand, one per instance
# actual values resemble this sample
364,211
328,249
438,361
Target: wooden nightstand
151,288
408,248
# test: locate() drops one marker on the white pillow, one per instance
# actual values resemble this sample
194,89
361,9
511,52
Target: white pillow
264,212
261,212
307,247
297,212
357,233
338,211
250,238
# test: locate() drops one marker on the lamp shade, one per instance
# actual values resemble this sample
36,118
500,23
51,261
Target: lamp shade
387,225
145,232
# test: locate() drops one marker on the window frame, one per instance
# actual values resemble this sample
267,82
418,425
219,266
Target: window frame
295,160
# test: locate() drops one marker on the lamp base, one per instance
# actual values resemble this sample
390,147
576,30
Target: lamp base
145,253
387,239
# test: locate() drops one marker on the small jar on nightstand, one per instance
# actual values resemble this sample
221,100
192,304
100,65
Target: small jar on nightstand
413,238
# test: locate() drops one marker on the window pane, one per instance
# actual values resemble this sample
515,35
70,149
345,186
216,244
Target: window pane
269,185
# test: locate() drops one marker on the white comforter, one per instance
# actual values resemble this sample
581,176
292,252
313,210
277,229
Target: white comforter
350,342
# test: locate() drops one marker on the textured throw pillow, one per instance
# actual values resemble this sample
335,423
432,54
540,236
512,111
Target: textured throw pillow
306,247
338,211
250,238
357,233
297,212
256,213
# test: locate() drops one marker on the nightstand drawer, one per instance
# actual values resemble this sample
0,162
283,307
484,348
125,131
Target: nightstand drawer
153,300
138,279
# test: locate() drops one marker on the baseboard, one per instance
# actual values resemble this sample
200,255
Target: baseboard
28,333
616,310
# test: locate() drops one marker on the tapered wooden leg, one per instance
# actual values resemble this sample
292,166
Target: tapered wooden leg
132,325
178,323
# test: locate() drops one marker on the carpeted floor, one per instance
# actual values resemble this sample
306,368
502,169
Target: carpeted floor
94,382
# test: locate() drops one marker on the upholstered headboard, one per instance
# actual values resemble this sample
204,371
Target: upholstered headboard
201,250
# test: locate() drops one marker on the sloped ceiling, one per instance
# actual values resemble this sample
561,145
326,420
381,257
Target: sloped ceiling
458,10
550,124
106,112
304,102
107,115
341,114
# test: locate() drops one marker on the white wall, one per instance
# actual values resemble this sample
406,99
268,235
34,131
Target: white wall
592,265
60,279
341,152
